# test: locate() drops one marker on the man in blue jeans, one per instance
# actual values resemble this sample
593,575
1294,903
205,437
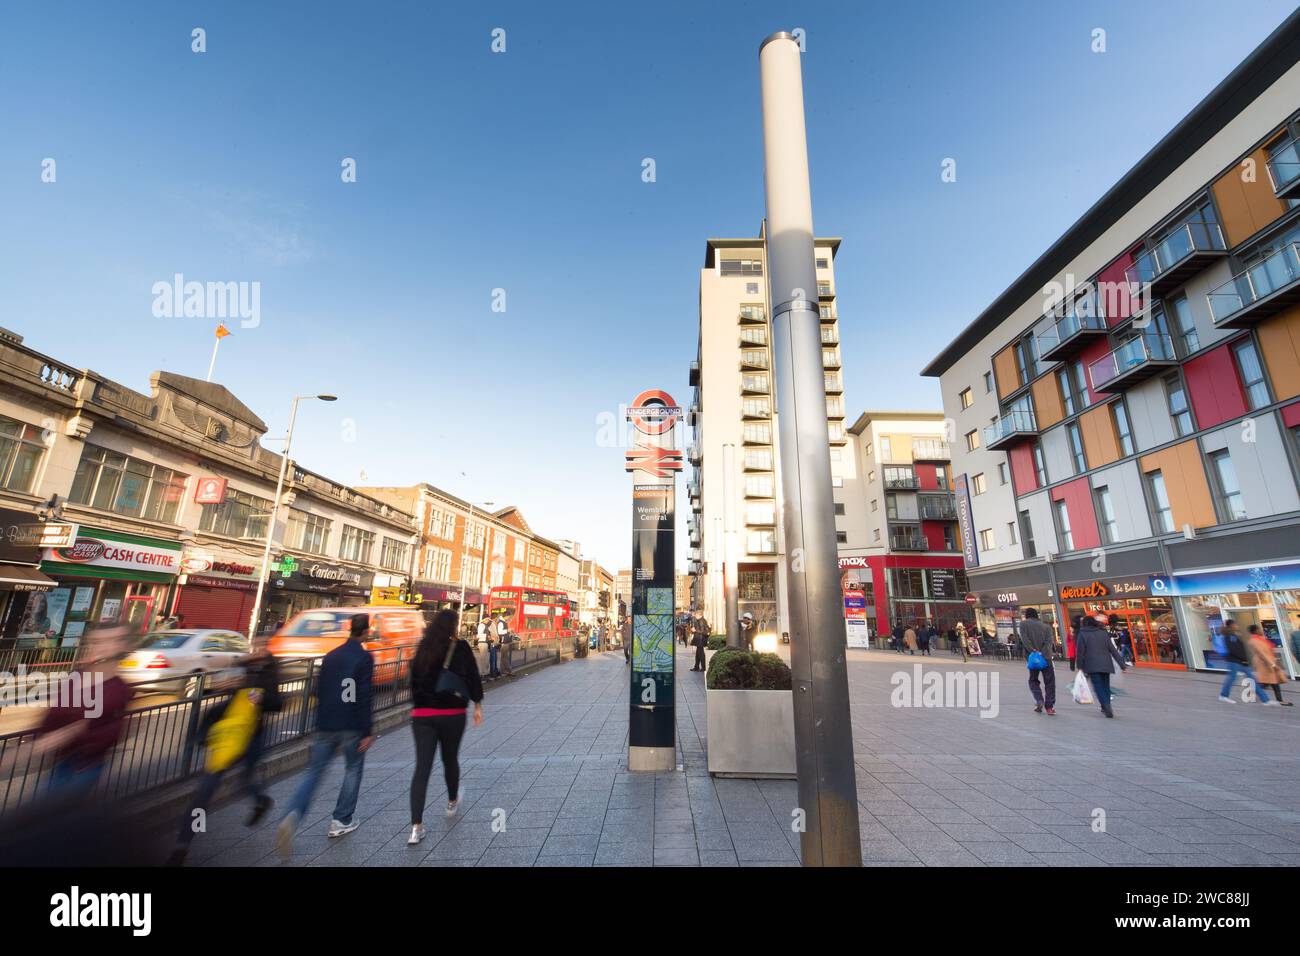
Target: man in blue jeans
1236,660
343,722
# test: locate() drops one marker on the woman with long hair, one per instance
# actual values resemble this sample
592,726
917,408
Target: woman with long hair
444,681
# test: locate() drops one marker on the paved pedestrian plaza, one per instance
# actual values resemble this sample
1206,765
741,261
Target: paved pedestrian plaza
1177,779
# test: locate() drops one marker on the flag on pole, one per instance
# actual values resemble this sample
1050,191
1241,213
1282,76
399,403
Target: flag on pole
222,331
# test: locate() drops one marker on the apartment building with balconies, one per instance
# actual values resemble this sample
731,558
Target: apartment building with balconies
1128,412
896,523
734,524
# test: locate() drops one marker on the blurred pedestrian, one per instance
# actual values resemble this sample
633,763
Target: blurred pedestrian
88,717
923,638
343,722
1236,658
1036,638
483,633
1268,672
699,641
1095,657
1071,639
505,640
444,682
494,652
962,639
909,639
748,627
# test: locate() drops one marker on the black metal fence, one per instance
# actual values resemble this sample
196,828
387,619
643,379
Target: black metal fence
161,743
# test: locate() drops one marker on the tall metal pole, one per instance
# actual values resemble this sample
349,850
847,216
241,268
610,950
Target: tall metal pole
464,566
823,733
730,582
270,528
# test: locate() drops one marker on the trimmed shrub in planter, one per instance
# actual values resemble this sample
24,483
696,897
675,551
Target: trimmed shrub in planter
716,642
750,715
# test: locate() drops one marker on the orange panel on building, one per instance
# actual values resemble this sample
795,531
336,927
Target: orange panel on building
1004,370
1279,339
1100,442
1185,483
1245,198
1048,408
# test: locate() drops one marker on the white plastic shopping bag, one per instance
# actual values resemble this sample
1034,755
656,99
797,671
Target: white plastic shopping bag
1082,689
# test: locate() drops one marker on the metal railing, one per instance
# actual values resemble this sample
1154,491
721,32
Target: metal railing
931,450
1017,422
1147,347
938,508
1274,272
1284,166
1085,315
1189,238
909,542
161,744
910,483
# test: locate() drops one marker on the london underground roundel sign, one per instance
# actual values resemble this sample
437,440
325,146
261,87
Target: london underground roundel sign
654,412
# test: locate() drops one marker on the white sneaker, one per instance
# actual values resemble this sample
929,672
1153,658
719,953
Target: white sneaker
451,807
417,834
338,829
284,835
1269,703
1226,700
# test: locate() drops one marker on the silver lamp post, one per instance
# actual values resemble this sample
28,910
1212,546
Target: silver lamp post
275,511
823,733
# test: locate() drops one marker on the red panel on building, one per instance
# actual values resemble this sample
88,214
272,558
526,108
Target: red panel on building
1214,387
1291,415
1116,303
926,477
933,531
1023,475
1077,496
1092,352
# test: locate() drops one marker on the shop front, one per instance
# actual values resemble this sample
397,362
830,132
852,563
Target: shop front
104,577
1149,619
21,579
303,584
1263,595
999,613
217,590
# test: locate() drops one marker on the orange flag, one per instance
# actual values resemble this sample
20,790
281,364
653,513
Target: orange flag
222,331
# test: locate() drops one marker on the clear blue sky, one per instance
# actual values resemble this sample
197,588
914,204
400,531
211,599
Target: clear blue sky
522,171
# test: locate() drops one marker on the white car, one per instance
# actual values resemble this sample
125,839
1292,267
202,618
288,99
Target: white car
181,656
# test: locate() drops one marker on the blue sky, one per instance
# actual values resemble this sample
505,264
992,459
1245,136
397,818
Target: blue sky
522,171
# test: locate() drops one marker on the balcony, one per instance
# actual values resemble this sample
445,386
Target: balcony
693,489
1013,427
752,315
827,314
751,359
938,508
824,291
910,483
694,380
755,385
833,384
931,450
1284,171
694,454
1073,331
831,358
1177,257
1135,361
908,542
1260,291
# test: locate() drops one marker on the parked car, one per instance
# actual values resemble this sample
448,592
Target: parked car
181,656
314,633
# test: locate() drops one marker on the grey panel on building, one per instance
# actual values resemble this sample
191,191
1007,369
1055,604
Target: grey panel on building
1238,546
1135,561
1009,579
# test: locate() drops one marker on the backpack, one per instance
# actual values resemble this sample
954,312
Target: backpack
230,735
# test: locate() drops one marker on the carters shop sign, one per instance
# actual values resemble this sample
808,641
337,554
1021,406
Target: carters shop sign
126,555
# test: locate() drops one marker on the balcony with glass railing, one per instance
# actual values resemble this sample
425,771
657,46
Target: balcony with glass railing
931,449
1177,257
1262,290
1072,331
1134,361
824,291
902,482
908,542
752,314
1284,170
1015,426
938,507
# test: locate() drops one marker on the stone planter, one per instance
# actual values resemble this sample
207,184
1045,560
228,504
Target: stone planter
708,656
751,733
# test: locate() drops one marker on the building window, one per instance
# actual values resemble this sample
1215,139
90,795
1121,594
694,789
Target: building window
1184,326
831,380
127,486
753,313
823,263
449,527
306,532
357,544
1011,532
1076,448
1164,514
972,439
871,475
758,486
751,288
841,537
941,477
1063,525
753,335
758,459
1252,373
839,508
755,358
835,431
977,484
966,398
875,504
1003,473
758,433
393,555
1106,515
761,542
1027,535
875,533
949,537
742,267
891,507
760,513
886,449
21,451
987,542
240,515
988,382
834,406
1040,465
1231,506
754,382
1178,410
1123,431
757,408
829,335
1074,393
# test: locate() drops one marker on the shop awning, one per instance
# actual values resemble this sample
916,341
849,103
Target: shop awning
22,577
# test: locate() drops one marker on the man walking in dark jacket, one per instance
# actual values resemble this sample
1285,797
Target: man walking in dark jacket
1096,656
1235,658
343,722
1037,636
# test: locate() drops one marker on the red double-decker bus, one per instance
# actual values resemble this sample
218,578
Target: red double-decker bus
533,613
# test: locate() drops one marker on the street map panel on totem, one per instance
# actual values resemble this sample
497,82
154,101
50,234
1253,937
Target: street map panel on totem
652,633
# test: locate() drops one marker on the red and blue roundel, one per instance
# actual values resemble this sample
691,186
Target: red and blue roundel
654,412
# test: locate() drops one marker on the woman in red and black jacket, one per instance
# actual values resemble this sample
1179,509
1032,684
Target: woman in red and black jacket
444,682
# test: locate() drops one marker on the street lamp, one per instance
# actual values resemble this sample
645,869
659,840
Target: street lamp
275,510
464,565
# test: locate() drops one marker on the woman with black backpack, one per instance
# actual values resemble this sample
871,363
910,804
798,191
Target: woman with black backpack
444,681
